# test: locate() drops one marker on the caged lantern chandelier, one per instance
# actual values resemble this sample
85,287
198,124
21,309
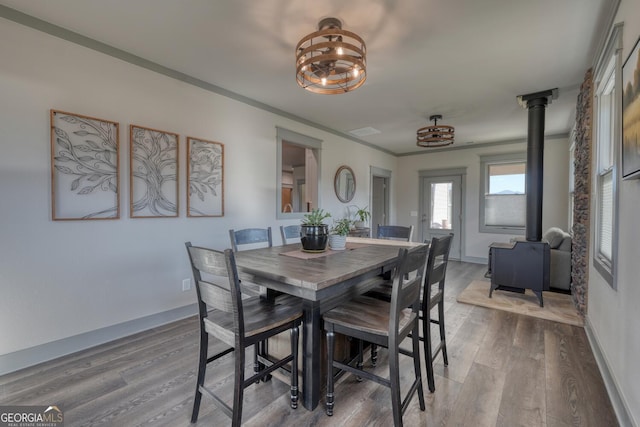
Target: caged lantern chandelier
435,135
331,60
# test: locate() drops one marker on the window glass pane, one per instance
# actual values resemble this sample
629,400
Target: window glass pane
508,178
606,215
441,205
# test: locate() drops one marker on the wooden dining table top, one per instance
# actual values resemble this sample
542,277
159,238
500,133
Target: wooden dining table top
316,274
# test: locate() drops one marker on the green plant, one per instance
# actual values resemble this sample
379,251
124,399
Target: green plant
341,227
362,214
315,217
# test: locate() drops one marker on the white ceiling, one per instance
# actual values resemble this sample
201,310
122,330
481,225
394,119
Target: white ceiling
464,59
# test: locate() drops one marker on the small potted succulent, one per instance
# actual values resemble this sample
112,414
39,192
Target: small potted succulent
339,232
362,215
314,233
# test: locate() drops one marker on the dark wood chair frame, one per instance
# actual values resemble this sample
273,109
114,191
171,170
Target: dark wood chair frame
350,320
394,232
249,236
239,323
436,273
290,232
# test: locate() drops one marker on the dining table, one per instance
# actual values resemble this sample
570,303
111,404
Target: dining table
322,281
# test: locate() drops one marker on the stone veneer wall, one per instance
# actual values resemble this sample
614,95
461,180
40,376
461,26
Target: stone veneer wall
582,195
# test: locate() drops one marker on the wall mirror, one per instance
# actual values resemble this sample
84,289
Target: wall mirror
345,184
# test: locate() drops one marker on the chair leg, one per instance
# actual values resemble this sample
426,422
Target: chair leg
294,367
330,344
443,337
426,331
256,364
202,369
394,378
374,355
360,364
238,389
415,339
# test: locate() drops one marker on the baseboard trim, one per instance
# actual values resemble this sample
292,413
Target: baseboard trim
475,260
20,359
617,399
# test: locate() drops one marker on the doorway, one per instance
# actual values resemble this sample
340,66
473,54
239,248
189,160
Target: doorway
380,184
442,193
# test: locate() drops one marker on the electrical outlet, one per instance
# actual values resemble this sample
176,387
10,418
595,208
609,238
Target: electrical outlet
186,285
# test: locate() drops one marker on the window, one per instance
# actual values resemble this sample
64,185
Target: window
502,193
607,103
298,174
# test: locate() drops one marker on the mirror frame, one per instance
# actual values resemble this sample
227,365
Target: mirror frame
346,199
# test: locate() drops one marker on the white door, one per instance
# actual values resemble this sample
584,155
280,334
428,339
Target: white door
442,210
379,202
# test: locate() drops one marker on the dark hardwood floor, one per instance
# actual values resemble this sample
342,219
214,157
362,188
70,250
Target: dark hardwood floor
504,370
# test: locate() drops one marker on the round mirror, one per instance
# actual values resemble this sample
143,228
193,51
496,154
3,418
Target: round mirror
345,184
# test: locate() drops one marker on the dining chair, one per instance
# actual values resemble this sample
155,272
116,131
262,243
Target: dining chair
256,237
395,232
385,324
436,271
239,322
290,234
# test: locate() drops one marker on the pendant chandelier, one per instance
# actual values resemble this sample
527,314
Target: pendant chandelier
331,60
436,135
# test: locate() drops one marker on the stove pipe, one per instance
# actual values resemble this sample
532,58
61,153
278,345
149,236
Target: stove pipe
536,103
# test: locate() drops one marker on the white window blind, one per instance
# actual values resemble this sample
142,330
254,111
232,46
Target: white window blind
606,216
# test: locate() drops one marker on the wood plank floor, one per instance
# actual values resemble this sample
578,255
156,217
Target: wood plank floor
504,369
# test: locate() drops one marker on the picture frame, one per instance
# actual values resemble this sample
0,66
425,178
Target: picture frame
205,178
85,168
153,173
631,114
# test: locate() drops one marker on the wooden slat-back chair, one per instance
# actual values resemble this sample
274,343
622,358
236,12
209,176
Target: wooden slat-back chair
385,324
250,236
395,232
436,273
290,234
239,323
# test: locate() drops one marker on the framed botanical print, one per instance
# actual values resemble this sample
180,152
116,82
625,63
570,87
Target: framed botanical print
84,167
631,114
205,178
153,174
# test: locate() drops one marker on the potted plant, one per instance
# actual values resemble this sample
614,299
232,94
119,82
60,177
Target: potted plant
339,232
362,215
313,232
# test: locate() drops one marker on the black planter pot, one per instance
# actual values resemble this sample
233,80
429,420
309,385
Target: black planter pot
314,237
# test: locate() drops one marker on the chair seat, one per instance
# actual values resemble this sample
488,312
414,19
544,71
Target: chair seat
260,316
372,318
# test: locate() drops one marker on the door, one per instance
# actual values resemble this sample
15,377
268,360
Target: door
442,210
379,202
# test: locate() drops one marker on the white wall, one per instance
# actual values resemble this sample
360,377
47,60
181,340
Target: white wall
475,244
613,314
60,279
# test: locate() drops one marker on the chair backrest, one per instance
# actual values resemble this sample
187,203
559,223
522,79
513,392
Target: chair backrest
395,232
407,284
290,234
218,290
437,263
250,236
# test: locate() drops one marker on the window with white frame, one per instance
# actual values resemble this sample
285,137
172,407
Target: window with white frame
502,193
607,134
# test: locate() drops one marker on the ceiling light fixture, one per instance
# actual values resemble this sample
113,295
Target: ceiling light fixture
436,135
331,60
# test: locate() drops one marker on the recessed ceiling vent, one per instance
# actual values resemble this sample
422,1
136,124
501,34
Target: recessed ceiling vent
368,131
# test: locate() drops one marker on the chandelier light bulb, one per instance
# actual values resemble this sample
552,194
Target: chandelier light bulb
324,81
356,72
339,51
